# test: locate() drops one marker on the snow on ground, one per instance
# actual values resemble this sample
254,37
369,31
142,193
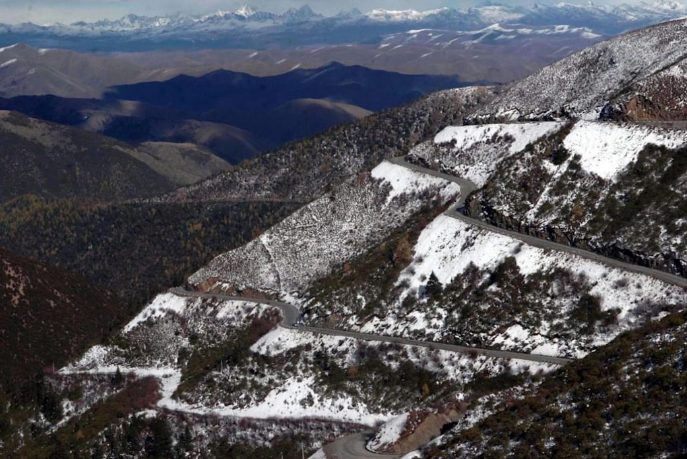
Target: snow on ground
2,50
169,303
389,433
447,246
298,397
466,137
159,307
606,149
406,181
473,152
281,340
327,232
7,63
569,86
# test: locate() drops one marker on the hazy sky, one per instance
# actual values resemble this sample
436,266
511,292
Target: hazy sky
49,11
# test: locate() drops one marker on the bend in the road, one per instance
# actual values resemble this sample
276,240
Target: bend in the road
467,187
353,447
291,316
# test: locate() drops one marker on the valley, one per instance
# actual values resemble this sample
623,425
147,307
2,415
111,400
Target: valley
480,271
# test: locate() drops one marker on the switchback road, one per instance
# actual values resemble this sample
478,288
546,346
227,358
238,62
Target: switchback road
291,317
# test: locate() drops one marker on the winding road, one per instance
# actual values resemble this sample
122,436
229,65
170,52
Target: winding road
354,446
291,317
467,187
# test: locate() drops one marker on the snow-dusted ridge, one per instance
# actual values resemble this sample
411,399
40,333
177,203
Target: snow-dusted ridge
340,225
582,84
247,18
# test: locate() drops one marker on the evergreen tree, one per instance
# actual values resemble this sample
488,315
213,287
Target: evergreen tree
433,287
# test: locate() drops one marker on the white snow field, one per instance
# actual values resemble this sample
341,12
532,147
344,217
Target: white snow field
389,433
447,247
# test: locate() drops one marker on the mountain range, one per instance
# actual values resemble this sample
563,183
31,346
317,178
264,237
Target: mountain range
249,28
488,271
235,115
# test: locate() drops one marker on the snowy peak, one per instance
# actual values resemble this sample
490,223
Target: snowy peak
246,25
245,11
381,15
304,13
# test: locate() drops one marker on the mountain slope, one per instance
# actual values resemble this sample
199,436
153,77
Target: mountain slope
133,249
59,162
371,89
583,83
48,317
626,400
391,260
255,29
334,156
26,70
236,115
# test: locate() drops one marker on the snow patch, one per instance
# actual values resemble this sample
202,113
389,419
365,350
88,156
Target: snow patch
405,181
447,246
389,433
2,50
159,307
8,63
606,149
476,150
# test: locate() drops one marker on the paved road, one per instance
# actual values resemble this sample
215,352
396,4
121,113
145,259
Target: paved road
291,316
550,245
353,447
467,187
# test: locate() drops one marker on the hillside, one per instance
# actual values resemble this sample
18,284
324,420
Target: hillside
583,83
36,71
48,316
340,153
53,161
485,272
235,115
132,249
635,385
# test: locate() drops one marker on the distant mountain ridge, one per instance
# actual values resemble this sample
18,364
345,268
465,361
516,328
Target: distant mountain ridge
248,27
234,114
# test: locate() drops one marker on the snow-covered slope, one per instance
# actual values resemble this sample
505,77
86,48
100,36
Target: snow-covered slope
597,184
327,232
498,292
584,82
474,152
607,149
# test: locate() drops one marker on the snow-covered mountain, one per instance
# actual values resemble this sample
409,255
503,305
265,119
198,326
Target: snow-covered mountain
248,27
538,228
